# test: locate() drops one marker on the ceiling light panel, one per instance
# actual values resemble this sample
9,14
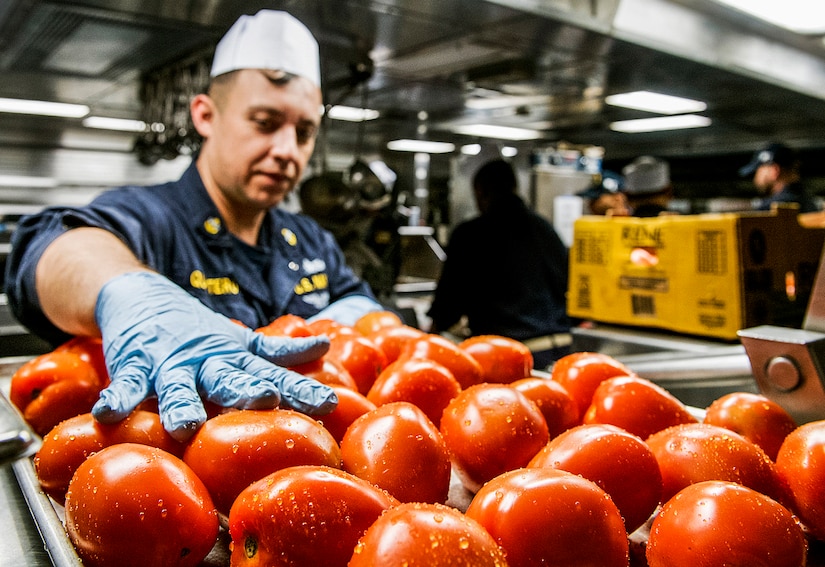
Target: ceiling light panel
43,108
352,114
420,146
661,123
118,124
497,132
799,16
649,101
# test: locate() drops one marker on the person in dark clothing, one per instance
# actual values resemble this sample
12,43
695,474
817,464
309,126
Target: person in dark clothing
775,171
506,271
164,274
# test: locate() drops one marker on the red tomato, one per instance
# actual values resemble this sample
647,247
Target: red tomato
694,452
54,386
89,349
581,373
715,523
801,464
426,535
234,449
636,405
490,429
374,320
330,328
212,409
619,462
464,367
392,340
135,505
287,325
71,442
545,516
753,416
351,406
424,383
502,359
556,404
359,355
302,516
397,448
327,371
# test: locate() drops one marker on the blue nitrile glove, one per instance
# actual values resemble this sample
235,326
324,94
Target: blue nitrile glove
348,310
158,339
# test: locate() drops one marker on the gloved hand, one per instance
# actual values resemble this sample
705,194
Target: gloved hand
348,310
158,339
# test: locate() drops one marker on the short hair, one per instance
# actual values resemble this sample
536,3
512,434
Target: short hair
495,177
220,85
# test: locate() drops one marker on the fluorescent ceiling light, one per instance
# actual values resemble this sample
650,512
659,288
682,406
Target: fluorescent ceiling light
421,146
352,114
498,132
655,102
43,108
120,124
661,123
509,151
471,149
503,101
800,16
27,181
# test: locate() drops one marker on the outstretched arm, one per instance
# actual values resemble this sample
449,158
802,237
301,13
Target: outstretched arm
160,340
72,271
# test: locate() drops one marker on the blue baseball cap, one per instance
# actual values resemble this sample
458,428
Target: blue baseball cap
611,182
779,154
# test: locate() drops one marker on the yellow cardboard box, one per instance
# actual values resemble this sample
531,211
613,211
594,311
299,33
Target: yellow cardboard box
707,274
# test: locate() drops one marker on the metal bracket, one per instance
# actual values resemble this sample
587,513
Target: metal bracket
788,367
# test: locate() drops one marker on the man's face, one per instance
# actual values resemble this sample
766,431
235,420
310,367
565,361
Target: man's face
260,137
765,176
610,203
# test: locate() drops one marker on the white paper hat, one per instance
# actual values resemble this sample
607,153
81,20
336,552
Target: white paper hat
646,174
268,40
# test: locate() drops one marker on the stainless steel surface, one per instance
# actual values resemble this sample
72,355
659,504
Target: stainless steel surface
697,379
622,341
694,370
17,440
545,64
47,517
22,544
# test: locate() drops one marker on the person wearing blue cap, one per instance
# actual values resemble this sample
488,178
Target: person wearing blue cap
775,171
164,274
606,197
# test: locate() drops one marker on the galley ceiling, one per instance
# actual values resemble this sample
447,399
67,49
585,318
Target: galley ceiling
555,59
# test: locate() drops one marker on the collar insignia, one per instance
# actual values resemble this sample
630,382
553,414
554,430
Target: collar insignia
212,225
289,236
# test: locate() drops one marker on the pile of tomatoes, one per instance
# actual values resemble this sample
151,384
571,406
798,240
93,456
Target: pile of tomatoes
438,453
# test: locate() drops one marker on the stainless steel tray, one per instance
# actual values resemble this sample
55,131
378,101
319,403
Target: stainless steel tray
18,444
